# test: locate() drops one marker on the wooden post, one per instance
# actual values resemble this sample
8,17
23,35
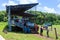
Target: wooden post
56,33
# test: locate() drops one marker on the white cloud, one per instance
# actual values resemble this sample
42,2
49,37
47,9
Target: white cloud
10,2
49,10
27,1
39,7
58,5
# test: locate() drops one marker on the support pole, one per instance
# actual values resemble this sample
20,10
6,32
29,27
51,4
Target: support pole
56,33
9,19
35,13
51,27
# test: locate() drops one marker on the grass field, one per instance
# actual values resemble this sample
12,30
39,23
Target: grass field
16,36
22,36
52,33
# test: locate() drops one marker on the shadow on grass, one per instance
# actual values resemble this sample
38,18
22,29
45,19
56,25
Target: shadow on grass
5,30
15,29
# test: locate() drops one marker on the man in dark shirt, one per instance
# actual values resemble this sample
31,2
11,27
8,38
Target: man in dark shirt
41,31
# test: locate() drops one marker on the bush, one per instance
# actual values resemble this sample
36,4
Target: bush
57,22
5,19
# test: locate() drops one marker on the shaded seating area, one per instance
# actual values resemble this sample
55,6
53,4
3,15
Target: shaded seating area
19,10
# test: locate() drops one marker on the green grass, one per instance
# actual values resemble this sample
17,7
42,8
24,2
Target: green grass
16,36
22,36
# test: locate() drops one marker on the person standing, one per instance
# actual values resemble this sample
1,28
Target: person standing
41,31
47,33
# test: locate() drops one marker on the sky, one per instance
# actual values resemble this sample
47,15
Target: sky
50,6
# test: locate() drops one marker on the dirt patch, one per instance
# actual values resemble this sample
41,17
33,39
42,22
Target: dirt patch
43,37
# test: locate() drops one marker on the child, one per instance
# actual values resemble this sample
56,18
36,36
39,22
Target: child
41,31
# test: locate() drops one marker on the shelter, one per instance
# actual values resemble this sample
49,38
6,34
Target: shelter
19,10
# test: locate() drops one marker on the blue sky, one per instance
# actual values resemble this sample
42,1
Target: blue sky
51,6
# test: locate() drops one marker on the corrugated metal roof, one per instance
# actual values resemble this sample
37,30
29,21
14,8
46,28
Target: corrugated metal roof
20,9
